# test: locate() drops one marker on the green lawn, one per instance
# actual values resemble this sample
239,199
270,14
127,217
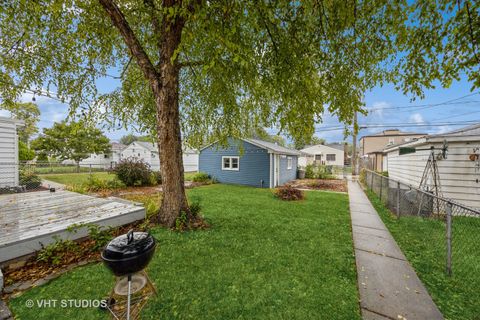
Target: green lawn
76,178
79,178
423,242
262,258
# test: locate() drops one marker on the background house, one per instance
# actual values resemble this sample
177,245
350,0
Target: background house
249,162
322,155
372,146
149,153
459,172
9,175
102,160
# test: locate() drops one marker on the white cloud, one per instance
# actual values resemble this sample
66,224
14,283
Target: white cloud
378,107
444,129
416,118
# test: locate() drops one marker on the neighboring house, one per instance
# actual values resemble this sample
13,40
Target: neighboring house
322,155
249,162
342,146
372,146
9,174
149,153
103,160
459,172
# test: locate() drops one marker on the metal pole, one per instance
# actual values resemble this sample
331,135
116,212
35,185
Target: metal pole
90,169
421,204
449,239
128,296
398,199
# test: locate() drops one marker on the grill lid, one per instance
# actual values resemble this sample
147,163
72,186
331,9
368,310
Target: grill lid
128,245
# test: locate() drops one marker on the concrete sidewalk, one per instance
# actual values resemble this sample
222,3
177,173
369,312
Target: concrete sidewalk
389,287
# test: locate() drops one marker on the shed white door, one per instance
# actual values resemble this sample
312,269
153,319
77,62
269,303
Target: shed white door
276,170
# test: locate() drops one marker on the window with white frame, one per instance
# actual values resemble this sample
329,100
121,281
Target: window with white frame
330,157
230,163
289,163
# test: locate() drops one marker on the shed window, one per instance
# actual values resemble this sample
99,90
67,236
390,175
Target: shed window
230,163
330,157
289,163
318,157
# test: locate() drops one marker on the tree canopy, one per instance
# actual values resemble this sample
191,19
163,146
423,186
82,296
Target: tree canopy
244,63
129,138
75,141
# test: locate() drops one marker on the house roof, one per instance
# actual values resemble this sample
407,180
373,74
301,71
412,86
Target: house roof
393,133
469,133
274,148
18,123
336,145
117,146
153,147
323,146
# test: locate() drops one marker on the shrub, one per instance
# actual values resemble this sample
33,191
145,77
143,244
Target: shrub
55,252
133,172
309,172
324,172
156,178
201,177
29,179
363,177
289,193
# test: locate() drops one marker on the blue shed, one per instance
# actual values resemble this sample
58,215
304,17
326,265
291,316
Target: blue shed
261,164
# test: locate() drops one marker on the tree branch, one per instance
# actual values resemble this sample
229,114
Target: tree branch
190,64
120,22
472,37
155,23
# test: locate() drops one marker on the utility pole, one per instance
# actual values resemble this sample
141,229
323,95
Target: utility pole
354,149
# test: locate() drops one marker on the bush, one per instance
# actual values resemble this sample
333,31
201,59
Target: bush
156,178
289,193
29,179
309,172
133,172
201,177
363,177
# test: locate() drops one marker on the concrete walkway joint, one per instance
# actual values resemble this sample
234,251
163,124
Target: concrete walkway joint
389,287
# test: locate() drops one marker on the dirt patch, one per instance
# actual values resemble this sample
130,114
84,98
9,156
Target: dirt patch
337,185
122,192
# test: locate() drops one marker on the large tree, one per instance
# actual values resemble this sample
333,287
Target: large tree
213,69
73,141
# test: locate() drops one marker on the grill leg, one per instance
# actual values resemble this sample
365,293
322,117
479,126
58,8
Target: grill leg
128,296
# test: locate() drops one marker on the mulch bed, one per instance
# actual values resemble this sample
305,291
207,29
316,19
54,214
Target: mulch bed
32,270
336,185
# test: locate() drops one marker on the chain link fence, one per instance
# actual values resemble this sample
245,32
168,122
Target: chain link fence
33,176
450,229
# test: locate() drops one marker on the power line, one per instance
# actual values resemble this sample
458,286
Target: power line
448,102
390,125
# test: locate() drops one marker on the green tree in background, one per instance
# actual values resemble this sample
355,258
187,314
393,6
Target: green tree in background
74,140
213,69
24,152
262,134
27,112
129,138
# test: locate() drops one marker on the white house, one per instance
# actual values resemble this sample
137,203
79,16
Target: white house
459,172
322,155
9,176
149,153
102,160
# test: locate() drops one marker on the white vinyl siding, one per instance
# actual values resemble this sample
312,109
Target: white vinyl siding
8,153
459,179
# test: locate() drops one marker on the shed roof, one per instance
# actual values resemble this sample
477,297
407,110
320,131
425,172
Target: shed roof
274,148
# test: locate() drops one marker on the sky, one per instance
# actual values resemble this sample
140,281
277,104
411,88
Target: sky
380,101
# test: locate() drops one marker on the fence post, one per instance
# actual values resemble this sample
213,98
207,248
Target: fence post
381,187
398,199
90,169
449,239
371,184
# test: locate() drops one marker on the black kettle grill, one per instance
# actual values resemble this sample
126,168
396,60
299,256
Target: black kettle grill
128,254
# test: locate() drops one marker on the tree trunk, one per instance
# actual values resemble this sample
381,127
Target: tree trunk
164,84
168,123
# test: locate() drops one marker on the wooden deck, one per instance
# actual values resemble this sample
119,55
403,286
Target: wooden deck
29,221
